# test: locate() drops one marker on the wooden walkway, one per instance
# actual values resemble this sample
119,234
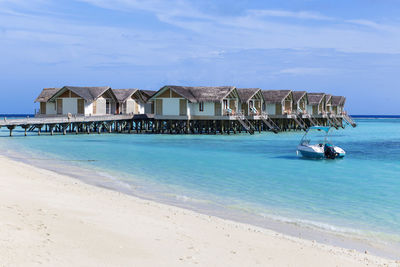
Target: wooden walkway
62,123
60,120
149,123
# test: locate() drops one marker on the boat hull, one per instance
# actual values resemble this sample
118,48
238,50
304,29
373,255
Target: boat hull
317,152
311,155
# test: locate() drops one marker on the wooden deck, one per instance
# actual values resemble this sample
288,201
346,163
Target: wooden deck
62,120
150,123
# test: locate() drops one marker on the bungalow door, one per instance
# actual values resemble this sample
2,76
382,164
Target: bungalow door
288,106
315,110
245,109
159,106
152,107
217,108
278,109
137,109
59,106
94,105
182,107
81,106
42,107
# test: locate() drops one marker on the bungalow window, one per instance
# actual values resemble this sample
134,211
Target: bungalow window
201,106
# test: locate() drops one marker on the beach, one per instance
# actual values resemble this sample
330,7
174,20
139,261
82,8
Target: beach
49,219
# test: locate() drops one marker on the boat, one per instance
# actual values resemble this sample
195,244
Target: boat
323,149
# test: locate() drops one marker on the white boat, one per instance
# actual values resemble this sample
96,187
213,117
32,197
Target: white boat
320,150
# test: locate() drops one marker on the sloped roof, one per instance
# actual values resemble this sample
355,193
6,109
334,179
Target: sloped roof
147,94
87,93
123,94
46,94
338,100
201,93
297,95
245,94
275,96
315,98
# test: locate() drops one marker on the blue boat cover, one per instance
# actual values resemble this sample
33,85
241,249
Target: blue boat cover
321,128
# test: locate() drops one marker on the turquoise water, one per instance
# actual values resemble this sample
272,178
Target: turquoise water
259,175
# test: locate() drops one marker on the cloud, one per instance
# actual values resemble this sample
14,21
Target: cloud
288,14
197,34
254,29
305,71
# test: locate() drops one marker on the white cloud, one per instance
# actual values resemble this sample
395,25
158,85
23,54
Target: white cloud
305,71
288,14
49,38
254,30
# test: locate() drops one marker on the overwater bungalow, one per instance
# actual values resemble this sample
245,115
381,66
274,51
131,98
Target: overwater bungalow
182,109
130,101
46,107
316,104
251,101
278,102
300,102
85,101
185,102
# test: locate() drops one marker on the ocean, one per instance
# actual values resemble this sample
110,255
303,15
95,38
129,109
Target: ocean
256,179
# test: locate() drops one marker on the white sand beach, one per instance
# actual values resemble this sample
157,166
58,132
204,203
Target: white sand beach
47,219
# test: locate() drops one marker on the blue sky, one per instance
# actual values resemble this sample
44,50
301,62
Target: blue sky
349,48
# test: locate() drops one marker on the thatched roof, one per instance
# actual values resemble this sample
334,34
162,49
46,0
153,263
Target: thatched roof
46,94
147,94
87,93
275,96
123,94
338,100
297,95
200,93
245,94
315,98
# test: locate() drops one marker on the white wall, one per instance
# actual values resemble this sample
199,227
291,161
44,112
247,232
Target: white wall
271,109
100,106
130,106
170,106
193,109
147,108
51,108
88,108
70,105
141,108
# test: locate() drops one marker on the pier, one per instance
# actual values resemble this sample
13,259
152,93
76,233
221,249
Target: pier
150,123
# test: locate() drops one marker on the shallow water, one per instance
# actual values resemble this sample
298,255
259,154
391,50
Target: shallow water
259,175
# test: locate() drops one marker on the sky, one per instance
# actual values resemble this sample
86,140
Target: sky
340,47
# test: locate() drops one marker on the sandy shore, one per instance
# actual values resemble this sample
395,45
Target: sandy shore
52,220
